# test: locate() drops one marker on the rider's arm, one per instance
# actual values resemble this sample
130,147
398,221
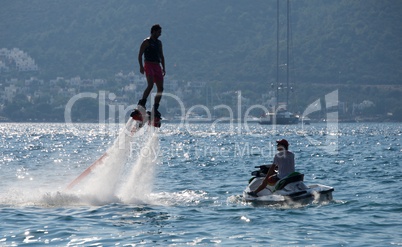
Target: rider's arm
143,46
162,59
271,170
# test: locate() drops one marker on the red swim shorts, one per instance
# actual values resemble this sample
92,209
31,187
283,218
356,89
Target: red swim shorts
153,70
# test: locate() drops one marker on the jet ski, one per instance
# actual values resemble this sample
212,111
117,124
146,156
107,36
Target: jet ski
288,190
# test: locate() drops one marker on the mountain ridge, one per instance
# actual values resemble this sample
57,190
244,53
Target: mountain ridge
332,41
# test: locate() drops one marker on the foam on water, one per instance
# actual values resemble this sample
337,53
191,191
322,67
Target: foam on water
124,175
101,185
185,197
112,180
138,184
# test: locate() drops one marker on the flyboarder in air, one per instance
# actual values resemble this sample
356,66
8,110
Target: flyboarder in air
151,49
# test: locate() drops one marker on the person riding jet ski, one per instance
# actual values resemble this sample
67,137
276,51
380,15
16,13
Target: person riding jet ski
284,162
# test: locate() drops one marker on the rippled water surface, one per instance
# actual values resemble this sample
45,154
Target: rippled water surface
183,185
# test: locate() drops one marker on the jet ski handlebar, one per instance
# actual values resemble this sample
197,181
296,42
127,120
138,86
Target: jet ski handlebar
263,170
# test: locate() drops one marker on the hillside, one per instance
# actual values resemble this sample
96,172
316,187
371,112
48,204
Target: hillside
231,41
354,46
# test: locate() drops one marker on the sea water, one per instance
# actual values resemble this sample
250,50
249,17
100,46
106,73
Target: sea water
183,184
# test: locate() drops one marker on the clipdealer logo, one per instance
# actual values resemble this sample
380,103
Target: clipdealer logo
238,126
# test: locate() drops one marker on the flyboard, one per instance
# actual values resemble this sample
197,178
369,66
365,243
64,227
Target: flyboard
139,120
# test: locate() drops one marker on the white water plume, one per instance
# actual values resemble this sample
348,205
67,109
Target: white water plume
140,180
106,176
124,174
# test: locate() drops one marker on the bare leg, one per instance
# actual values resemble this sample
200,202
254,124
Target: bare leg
269,179
264,184
150,85
158,96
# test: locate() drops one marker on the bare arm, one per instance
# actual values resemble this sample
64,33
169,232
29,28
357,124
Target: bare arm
264,183
271,170
163,60
143,46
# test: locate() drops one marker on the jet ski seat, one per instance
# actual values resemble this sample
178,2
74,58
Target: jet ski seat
291,178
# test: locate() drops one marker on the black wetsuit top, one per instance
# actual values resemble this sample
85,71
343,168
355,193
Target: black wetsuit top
152,52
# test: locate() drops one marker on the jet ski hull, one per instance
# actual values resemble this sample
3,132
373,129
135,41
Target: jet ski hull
295,192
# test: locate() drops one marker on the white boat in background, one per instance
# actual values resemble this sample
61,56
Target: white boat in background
281,117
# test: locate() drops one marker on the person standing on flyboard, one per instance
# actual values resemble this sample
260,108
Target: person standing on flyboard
151,49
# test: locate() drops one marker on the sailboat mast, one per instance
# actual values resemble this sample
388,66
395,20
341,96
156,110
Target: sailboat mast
277,52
